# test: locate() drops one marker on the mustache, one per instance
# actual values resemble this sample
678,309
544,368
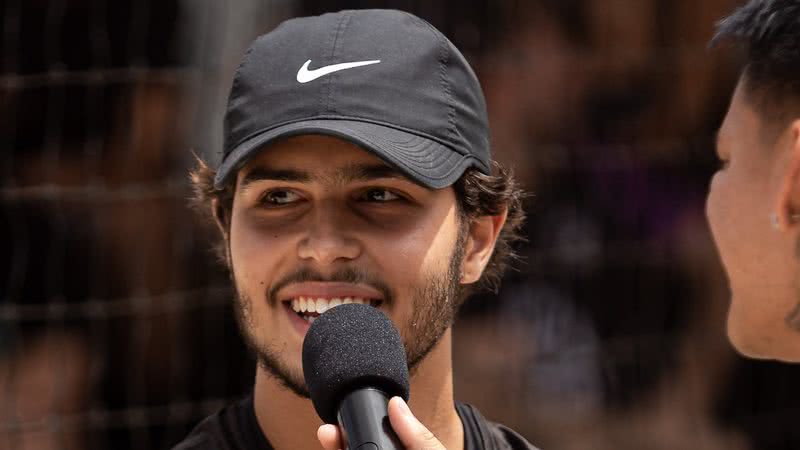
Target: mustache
349,275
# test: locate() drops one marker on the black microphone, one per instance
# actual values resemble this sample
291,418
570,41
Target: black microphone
354,362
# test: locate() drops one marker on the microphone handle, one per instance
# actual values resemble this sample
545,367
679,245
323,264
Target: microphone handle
364,420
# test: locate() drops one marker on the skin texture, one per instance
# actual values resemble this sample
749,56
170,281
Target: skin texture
759,180
399,237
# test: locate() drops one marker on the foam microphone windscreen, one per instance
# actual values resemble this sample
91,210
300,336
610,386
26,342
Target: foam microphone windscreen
350,347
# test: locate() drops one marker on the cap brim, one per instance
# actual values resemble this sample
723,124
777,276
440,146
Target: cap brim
423,160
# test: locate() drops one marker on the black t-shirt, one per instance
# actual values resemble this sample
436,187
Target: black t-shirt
235,428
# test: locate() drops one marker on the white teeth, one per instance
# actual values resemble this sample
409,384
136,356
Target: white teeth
311,319
320,305
297,305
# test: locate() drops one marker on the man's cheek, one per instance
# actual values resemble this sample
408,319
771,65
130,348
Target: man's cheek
253,252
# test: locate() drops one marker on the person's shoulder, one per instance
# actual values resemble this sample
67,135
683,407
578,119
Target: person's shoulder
480,433
229,428
206,434
198,439
508,438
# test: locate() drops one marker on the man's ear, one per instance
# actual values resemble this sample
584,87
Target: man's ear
221,217
481,239
787,206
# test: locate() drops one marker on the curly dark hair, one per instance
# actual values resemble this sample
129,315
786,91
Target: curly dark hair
477,194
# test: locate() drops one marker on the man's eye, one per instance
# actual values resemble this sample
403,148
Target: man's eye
380,195
723,164
279,198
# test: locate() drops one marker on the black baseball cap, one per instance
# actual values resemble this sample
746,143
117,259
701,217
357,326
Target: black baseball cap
385,80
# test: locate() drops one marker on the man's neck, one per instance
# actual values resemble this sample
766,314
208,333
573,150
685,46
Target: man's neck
290,422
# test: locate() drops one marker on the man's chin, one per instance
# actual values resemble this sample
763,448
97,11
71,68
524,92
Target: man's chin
764,342
291,379
768,354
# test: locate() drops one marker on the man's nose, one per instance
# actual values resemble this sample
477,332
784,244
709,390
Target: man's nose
329,238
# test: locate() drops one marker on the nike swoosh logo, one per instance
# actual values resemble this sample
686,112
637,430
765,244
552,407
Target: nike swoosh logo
304,75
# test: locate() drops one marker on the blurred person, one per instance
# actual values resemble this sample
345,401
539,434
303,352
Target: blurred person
43,377
356,168
753,204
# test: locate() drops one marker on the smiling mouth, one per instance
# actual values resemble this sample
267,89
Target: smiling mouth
308,308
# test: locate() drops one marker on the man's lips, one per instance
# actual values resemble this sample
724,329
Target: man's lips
328,291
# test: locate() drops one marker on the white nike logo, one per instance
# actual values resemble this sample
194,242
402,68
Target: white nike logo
304,75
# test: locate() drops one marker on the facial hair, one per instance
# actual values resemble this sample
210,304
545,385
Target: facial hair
435,305
435,301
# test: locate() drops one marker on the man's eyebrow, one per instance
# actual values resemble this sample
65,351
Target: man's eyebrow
265,174
344,175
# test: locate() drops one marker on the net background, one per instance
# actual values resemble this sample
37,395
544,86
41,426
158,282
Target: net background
115,321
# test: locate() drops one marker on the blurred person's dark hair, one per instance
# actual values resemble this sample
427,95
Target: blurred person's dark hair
769,30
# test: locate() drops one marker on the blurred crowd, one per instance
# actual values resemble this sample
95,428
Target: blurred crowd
116,327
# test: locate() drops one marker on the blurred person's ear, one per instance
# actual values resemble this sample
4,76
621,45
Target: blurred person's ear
482,237
787,207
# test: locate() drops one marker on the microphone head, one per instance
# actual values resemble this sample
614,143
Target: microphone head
350,347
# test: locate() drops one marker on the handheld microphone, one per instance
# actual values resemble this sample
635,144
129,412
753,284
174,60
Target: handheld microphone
354,362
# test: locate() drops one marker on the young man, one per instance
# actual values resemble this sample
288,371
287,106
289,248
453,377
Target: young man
356,168
754,199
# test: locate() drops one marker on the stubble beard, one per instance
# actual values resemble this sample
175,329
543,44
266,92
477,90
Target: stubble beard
435,302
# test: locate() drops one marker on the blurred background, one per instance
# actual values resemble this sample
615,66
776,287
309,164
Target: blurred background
116,327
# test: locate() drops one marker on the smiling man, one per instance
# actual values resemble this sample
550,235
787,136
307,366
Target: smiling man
357,169
754,199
